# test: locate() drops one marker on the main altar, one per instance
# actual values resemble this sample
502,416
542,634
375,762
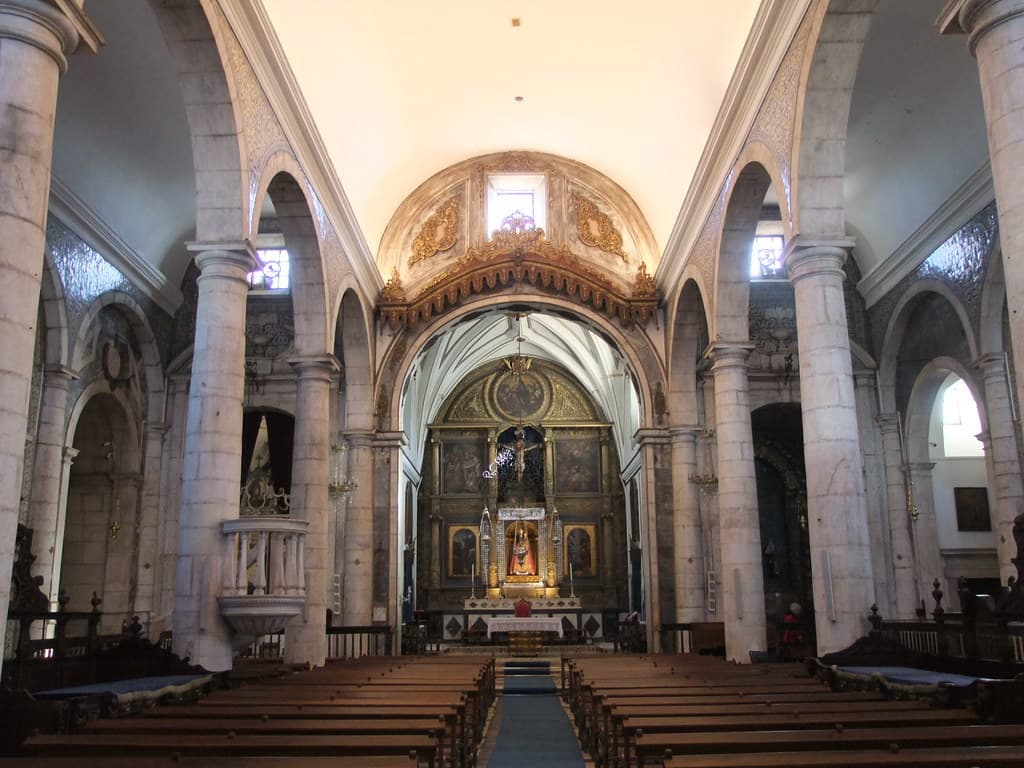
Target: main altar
520,552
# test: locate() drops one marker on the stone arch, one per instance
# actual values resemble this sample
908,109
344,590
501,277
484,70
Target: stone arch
922,401
136,317
51,301
897,329
104,430
993,304
281,184
689,336
192,34
644,362
753,175
822,114
353,347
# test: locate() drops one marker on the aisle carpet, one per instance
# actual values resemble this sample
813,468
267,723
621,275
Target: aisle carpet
534,729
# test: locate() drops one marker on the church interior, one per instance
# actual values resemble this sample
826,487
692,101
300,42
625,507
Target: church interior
389,318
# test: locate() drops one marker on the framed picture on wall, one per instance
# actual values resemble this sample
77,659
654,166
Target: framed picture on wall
463,550
972,513
580,549
578,466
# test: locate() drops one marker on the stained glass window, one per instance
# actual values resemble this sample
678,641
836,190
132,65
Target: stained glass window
274,272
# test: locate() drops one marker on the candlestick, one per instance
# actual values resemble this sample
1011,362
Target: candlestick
572,586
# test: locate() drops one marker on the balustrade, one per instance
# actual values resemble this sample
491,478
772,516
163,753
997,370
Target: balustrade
264,572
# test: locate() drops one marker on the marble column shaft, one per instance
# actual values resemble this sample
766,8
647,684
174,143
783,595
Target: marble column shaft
34,38
311,461
904,567
357,601
1001,451
149,521
926,531
875,490
842,579
47,475
742,579
686,527
996,36
211,473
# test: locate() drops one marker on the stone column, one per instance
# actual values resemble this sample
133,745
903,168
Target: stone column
904,566
996,35
211,473
926,533
837,521
68,456
1004,464
311,463
686,526
357,607
742,593
35,38
48,473
146,602
875,490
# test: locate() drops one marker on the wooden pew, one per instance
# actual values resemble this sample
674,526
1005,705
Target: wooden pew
925,757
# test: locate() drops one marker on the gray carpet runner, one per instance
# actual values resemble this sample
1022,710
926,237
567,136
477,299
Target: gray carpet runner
534,729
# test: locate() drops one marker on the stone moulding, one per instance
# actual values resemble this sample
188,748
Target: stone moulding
517,259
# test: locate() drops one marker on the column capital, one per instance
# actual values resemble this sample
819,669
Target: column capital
919,467
888,422
70,454
648,436
55,30
323,367
976,17
228,259
729,354
991,364
685,433
58,376
811,256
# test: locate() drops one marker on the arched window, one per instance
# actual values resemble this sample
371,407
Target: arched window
960,420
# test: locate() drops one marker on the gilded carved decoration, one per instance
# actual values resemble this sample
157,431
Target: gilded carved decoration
643,284
595,228
548,397
393,290
514,162
525,257
438,233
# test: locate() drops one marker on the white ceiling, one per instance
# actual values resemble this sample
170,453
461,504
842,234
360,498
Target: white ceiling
401,89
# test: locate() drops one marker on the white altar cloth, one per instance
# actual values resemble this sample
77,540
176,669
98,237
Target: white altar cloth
523,624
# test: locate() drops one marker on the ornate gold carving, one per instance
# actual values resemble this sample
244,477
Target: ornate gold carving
513,162
470,406
438,233
516,258
566,404
595,228
394,291
643,284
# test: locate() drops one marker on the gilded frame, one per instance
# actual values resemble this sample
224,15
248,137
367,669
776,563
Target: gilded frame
584,564
458,566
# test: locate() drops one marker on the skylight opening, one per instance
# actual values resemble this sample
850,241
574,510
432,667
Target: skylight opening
519,197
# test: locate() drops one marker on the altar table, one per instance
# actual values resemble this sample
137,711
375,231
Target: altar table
523,624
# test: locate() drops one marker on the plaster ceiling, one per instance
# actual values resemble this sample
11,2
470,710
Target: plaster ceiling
402,89
916,129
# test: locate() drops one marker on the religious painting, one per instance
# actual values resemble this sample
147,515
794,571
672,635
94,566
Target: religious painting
463,553
972,513
578,466
520,396
462,466
580,550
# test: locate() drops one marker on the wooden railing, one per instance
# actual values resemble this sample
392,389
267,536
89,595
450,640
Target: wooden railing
353,642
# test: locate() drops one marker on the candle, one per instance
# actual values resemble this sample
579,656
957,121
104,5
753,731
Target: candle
472,573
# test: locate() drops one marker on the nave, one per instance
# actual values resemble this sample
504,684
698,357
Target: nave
465,710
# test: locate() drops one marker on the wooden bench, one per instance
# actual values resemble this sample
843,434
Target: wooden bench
925,757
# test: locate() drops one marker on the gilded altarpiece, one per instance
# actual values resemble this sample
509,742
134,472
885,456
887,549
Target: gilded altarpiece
532,449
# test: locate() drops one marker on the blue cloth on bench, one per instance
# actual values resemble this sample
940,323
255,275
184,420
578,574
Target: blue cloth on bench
912,676
136,687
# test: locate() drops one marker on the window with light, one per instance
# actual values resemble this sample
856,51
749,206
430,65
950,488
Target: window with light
516,201
273,273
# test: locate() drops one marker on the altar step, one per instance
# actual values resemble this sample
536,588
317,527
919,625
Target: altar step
527,677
